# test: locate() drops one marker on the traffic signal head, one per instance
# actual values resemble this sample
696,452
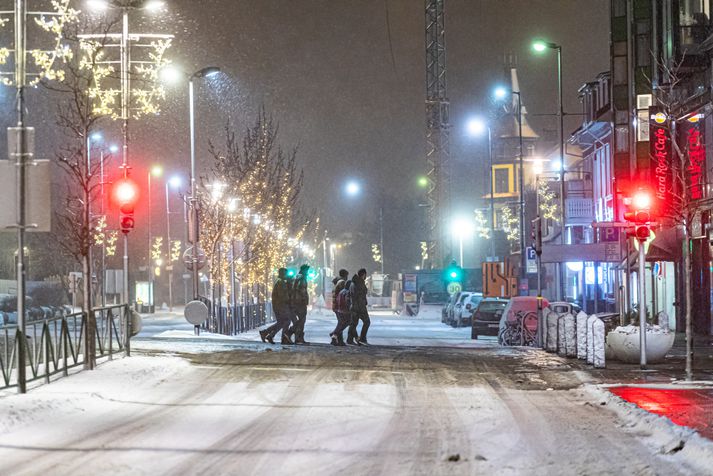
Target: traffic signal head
125,194
640,211
454,274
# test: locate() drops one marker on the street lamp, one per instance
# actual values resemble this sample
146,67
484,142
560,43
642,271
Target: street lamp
156,171
174,182
174,74
462,228
124,6
501,93
353,188
477,127
540,46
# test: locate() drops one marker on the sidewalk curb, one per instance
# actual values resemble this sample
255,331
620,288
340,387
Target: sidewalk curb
671,441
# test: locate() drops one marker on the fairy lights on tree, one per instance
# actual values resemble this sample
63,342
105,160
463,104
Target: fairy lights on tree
250,205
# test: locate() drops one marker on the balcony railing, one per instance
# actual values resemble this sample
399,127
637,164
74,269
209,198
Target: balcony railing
579,211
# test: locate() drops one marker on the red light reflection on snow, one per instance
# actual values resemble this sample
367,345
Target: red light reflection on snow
686,407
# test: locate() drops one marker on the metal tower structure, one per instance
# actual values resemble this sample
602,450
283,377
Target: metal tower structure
437,133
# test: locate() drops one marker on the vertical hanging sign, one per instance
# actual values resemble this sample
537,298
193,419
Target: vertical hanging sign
660,153
696,152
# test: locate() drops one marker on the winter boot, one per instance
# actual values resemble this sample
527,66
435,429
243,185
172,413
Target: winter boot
301,339
286,340
340,340
351,341
335,341
269,337
263,335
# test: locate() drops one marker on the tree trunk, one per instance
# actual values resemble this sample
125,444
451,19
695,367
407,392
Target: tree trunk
688,303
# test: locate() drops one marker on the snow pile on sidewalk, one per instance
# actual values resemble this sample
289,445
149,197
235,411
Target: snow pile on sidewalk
61,400
682,445
655,329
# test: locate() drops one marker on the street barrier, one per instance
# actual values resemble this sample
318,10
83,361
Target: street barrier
56,344
233,320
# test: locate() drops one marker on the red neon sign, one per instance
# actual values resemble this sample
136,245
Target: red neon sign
696,162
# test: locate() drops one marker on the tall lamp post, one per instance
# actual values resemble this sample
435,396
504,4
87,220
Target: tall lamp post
462,228
156,171
540,46
353,188
477,127
174,183
174,74
125,6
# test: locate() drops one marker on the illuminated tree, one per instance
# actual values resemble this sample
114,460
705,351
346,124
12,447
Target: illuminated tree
251,200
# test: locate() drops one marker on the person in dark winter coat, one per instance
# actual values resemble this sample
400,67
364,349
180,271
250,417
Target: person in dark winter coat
341,309
359,310
300,300
281,308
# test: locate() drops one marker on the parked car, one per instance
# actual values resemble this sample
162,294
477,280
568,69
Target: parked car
463,310
458,298
519,304
445,313
486,318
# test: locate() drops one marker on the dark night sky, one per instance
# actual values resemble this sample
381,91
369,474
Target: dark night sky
323,69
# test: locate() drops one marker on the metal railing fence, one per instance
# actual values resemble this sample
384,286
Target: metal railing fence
56,344
233,320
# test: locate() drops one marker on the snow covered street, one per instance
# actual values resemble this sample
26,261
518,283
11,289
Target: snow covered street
423,399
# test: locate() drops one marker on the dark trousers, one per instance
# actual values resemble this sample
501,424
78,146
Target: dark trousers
344,320
282,322
298,322
356,316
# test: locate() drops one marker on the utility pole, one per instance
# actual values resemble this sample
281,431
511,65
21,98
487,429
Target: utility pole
20,134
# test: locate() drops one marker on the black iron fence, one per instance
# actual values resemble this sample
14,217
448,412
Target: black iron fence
232,320
56,344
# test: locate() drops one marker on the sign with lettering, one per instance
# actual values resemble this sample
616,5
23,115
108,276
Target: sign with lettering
660,153
696,166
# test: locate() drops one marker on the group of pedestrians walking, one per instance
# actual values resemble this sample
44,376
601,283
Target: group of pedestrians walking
289,303
290,298
350,306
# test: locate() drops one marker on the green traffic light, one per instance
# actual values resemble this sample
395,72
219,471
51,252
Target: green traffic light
423,182
454,274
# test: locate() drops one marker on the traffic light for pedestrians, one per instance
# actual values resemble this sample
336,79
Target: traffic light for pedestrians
125,194
639,215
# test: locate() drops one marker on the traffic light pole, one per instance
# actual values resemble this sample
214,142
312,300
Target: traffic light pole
642,303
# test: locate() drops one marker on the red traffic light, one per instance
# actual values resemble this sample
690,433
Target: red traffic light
643,232
125,193
640,204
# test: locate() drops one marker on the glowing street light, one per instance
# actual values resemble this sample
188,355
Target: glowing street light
352,188
462,228
173,74
477,127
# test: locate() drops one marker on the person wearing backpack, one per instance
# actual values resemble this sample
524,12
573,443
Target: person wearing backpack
281,308
344,316
358,307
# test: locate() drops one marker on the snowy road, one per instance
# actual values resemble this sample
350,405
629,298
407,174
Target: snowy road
248,408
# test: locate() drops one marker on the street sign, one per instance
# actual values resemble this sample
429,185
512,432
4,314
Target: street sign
612,252
188,258
531,265
454,288
196,312
610,224
609,234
